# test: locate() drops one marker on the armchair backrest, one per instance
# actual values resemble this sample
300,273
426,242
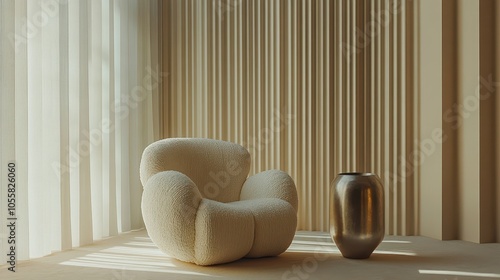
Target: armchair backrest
218,168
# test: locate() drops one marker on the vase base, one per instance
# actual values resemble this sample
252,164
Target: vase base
357,257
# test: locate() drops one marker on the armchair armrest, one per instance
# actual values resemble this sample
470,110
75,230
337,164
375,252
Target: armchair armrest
270,184
170,202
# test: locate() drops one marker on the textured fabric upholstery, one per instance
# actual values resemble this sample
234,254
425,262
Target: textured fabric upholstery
199,206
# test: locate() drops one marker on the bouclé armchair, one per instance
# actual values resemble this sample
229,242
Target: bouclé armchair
199,206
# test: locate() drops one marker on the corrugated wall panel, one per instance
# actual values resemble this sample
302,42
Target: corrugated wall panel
321,87
294,83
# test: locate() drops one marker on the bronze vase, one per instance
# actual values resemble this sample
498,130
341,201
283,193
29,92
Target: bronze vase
357,214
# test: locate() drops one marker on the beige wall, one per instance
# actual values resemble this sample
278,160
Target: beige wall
321,87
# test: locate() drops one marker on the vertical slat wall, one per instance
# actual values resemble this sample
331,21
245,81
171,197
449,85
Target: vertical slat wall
373,103
321,87
295,83
458,77
78,84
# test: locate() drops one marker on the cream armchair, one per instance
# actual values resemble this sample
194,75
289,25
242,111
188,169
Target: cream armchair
199,206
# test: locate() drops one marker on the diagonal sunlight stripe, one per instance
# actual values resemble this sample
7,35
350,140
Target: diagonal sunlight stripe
308,242
401,253
396,241
459,273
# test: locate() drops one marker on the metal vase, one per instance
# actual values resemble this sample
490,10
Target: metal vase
357,214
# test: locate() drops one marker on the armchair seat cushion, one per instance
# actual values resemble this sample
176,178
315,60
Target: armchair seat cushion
212,225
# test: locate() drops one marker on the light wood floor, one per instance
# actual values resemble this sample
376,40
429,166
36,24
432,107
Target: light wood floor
312,255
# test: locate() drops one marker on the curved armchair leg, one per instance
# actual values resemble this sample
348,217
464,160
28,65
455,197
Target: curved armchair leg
224,232
271,196
275,223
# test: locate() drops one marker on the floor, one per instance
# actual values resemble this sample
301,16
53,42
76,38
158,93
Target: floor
312,255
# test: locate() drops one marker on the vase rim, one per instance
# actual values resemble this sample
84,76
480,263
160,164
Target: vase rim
356,174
